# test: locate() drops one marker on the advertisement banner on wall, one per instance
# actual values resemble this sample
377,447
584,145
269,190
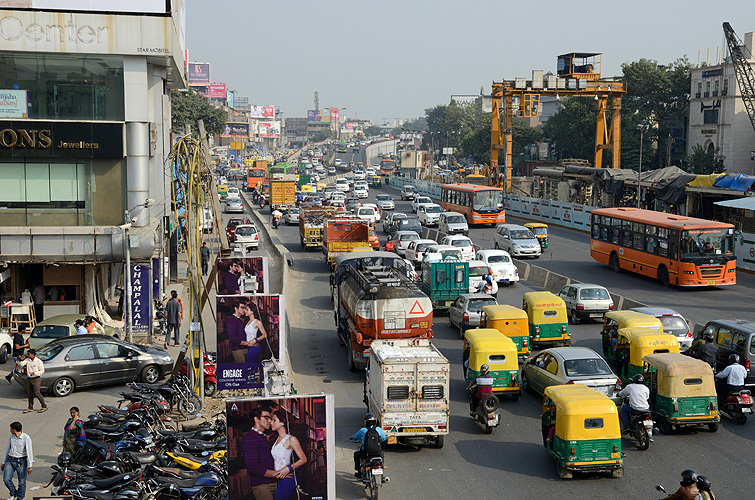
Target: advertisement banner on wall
270,129
141,299
250,330
240,102
334,114
262,111
318,116
347,126
307,422
216,90
243,276
233,129
199,73
15,103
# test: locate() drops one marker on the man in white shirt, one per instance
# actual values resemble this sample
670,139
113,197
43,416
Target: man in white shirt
639,399
735,375
80,328
34,369
18,458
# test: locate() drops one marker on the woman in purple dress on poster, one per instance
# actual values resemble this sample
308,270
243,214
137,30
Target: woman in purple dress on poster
255,334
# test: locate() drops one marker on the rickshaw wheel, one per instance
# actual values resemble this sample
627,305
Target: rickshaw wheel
665,426
515,396
563,472
713,427
618,472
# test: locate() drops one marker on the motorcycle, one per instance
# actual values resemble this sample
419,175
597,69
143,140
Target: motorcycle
486,413
210,379
372,475
276,221
641,427
738,405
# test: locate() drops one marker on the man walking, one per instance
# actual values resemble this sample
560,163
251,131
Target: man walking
173,314
19,344
17,459
205,253
34,369
80,328
257,453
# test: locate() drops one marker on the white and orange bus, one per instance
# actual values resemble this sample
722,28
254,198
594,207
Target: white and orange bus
678,250
479,204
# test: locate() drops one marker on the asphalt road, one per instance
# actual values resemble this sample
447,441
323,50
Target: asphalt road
512,459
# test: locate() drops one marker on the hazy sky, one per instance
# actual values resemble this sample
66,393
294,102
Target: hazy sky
386,59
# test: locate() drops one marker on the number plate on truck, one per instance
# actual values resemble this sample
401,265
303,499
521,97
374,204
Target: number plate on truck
413,429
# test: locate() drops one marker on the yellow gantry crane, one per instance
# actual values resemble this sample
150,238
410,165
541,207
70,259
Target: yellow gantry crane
578,74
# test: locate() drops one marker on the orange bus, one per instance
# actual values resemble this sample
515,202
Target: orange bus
255,175
387,166
677,250
479,204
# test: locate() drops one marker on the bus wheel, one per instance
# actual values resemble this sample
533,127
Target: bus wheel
613,261
663,276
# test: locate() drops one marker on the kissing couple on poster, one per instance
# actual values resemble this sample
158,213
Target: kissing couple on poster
245,332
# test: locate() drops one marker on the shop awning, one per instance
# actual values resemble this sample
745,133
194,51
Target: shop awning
746,203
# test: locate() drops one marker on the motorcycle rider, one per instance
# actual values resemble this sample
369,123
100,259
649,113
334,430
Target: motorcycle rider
735,375
369,447
688,487
277,214
708,352
639,397
483,386
488,286
703,484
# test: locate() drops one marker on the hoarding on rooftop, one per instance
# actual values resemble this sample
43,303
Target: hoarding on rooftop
199,73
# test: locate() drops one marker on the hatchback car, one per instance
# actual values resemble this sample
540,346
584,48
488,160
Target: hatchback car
586,301
331,170
441,252
461,242
672,322
414,250
359,175
409,224
367,213
353,203
385,202
420,200
452,223
90,360
361,192
734,336
402,239
517,241
408,192
464,312
246,238
429,213
569,365
61,326
291,216
373,239
500,262
234,205
230,228
233,192
342,185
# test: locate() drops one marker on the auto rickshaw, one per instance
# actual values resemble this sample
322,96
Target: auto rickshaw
581,430
548,322
614,321
682,391
633,344
540,231
222,190
488,346
377,181
510,321
321,187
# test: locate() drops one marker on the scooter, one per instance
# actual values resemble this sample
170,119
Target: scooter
276,221
641,427
486,413
738,405
210,378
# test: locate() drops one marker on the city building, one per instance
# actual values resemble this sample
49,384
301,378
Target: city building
84,142
718,120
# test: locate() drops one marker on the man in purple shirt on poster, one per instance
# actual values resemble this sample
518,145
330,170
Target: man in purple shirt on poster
257,453
234,327
231,278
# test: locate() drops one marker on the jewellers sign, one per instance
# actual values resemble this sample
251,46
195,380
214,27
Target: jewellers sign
60,139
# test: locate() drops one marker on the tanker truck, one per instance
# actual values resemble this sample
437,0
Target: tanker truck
379,302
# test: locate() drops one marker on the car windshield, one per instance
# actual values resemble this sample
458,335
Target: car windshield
235,222
409,189
422,199
461,243
479,271
522,234
433,209
421,246
455,219
409,236
293,210
451,253
497,259
586,367
672,324
50,331
366,211
234,200
383,197
488,201
477,304
409,221
49,351
245,231
594,294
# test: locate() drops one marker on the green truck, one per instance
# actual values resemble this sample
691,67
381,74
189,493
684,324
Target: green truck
444,281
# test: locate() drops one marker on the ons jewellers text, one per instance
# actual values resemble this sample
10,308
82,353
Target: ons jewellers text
41,139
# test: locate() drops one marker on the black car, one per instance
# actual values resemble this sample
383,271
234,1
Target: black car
409,224
353,203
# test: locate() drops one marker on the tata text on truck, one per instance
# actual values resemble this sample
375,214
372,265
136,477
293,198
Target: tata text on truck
407,389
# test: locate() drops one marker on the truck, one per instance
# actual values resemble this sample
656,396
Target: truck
406,388
344,234
311,222
444,281
379,302
282,193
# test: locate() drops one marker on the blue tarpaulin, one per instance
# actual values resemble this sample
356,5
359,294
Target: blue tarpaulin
738,182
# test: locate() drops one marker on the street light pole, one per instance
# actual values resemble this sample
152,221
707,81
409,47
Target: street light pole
641,129
127,288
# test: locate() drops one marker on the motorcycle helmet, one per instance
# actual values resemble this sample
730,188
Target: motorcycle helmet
734,358
370,421
703,483
64,459
638,379
709,335
688,477
484,369
489,279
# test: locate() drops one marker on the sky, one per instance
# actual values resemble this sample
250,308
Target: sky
384,59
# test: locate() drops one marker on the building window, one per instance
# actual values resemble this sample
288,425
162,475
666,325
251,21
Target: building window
725,90
699,89
66,86
715,88
707,89
710,116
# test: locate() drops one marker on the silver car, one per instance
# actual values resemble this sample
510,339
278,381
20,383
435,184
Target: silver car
672,322
464,312
569,365
517,240
91,360
385,202
586,301
291,216
234,205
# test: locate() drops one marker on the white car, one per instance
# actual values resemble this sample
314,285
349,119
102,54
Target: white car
477,272
415,249
342,185
420,200
246,238
402,240
673,323
504,269
359,175
361,192
441,252
331,170
408,192
362,184
429,214
385,202
337,196
377,210
233,192
337,163
463,243
367,213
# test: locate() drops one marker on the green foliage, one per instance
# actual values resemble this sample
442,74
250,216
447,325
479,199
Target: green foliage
187,108
523,135
702,160
463,127
373,130
321,135
572,128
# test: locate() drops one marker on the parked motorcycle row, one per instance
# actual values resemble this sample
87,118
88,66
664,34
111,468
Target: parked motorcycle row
136,452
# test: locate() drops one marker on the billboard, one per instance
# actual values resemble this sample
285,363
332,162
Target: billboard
250,330
347,126
334,114
269,129
140,291
216,90
15,103
255,425
233,129
199,73
240,102
262,111
243,275
318,116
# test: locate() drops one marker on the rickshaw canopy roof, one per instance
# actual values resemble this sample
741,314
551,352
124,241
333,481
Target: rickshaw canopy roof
537,303
578,410
681,376
629,319
644,341
536,224
503,311
487,342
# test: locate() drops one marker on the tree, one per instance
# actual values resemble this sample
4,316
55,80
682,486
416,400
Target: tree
523,136
187,108
572,128
702,160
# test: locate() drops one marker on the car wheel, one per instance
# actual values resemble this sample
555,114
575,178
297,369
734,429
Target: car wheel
150,374
525,382
496,246
3,354
574,318
62,387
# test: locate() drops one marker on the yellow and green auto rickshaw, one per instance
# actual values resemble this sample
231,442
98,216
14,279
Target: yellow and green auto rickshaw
613,321
548,322
222,190
377,181
540,231
581,430
633,344
510,321
488,346
682,391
